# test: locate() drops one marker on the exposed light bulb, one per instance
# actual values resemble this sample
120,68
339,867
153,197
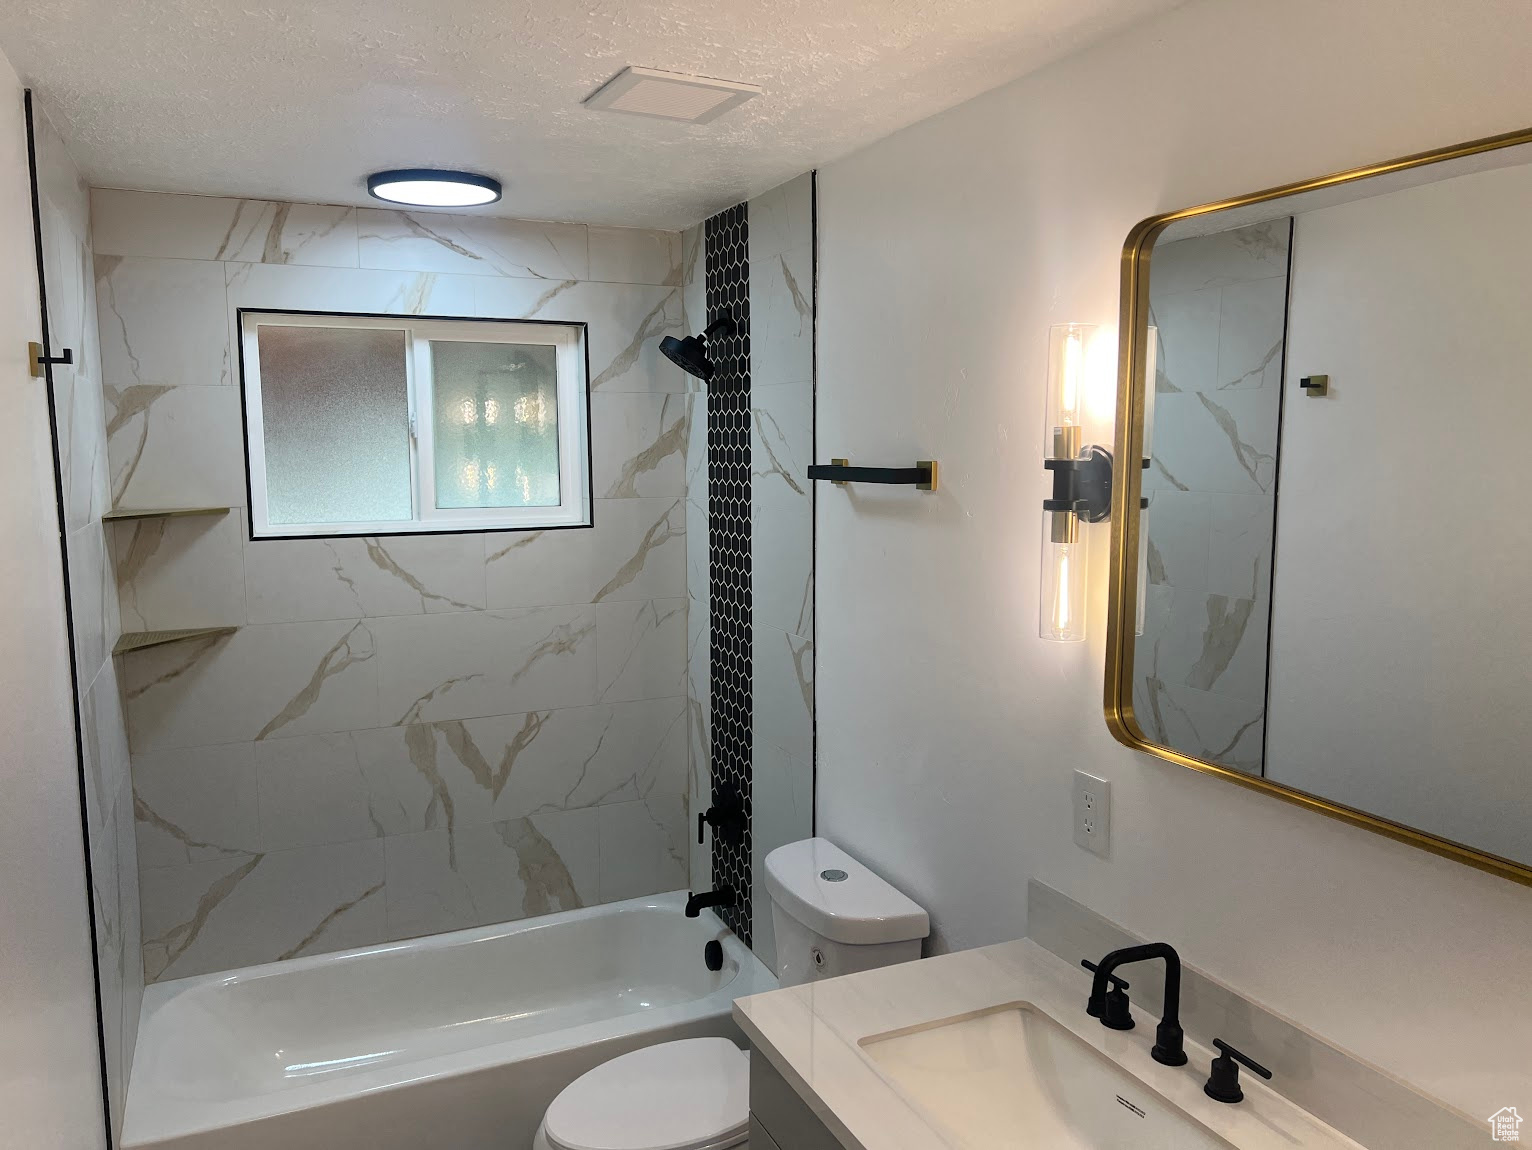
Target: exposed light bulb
1069,358
1062,617
1061,605
1069,384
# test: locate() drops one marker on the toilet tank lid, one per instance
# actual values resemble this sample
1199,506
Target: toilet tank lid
859,909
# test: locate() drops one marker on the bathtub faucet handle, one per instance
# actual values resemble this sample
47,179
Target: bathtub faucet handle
726,816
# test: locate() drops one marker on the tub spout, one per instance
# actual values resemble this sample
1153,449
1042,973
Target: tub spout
723,896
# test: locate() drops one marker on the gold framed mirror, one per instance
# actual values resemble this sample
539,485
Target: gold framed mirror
1366,691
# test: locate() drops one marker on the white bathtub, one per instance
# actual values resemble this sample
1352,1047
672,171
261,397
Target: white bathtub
455,1041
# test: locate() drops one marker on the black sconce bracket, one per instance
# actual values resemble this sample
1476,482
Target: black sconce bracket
1082,485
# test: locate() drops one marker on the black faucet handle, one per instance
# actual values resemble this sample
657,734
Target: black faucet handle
726,816
1112,1007
1223,1079
1119,983
1117,1013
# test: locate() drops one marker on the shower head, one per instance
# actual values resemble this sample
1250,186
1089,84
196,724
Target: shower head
690,354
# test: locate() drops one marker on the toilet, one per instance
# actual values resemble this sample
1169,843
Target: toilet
831,916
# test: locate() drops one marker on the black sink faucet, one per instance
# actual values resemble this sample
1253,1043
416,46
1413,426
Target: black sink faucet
723,896
1169,1039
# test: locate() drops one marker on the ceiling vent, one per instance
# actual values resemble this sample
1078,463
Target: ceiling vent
669,95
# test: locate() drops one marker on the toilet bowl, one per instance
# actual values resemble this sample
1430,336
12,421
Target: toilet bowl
693,1094
831,916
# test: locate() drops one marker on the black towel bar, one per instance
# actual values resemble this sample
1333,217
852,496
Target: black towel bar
839,471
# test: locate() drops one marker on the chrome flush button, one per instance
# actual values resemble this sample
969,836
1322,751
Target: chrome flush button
831,875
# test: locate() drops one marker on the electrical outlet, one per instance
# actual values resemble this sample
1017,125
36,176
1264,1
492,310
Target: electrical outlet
1093,813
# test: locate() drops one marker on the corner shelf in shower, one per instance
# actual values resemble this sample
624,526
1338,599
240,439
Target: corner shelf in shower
138,640
126,514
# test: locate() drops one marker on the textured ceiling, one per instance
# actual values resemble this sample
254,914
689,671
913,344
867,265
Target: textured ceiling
300,100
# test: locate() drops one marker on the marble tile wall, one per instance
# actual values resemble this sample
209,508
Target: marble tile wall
64,213
698,592
1219,303
781,529
406,735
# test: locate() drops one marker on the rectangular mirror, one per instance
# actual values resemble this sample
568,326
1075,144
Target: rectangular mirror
1319,561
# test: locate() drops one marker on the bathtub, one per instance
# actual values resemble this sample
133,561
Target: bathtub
454,1041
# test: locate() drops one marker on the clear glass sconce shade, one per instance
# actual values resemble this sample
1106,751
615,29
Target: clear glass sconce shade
1062,615
1068,344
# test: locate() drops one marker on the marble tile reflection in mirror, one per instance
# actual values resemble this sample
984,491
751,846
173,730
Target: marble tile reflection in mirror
1218,304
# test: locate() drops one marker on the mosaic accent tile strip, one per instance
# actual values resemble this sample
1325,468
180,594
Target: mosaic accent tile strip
727,239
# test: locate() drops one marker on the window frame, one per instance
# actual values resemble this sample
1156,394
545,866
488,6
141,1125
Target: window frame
572,344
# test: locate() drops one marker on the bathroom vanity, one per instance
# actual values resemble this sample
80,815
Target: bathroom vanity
993,1048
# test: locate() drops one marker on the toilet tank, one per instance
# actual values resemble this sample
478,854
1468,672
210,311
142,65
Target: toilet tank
832,915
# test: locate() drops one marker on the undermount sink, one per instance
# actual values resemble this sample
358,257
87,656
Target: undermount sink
1012,1077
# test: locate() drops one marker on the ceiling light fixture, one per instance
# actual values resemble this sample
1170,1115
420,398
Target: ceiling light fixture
433,188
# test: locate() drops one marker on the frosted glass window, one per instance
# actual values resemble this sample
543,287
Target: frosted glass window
369,425
337,429
497,420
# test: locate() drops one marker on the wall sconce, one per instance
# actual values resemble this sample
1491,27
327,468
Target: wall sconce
1082,486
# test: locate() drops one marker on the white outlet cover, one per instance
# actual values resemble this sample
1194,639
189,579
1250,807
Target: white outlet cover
1093,813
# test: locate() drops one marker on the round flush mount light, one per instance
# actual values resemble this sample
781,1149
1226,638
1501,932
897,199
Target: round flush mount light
433,188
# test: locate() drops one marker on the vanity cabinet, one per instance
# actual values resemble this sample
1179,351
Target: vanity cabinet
779,1119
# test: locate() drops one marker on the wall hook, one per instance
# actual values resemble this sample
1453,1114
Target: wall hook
38,359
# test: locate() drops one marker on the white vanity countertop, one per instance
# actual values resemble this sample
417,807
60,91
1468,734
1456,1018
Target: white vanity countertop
812,1035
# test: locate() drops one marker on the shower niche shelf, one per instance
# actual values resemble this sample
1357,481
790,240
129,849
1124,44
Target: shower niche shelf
129,514
139,640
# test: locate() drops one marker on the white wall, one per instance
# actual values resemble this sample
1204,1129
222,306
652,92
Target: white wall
947,730
1403,539
50,1084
